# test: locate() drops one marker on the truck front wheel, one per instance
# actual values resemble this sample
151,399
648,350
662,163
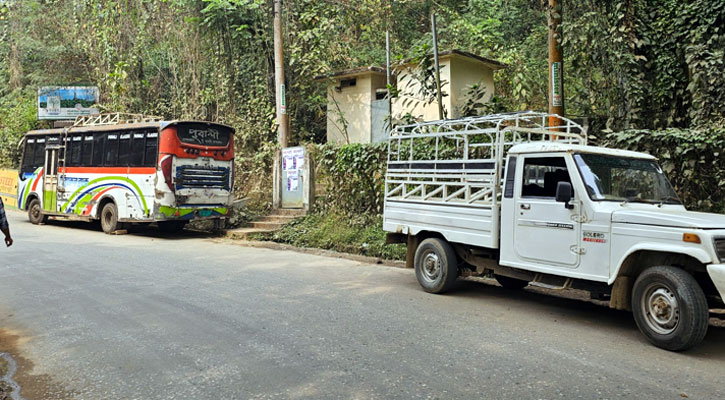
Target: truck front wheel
436,265
670,308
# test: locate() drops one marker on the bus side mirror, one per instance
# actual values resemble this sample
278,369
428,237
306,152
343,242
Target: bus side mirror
564,194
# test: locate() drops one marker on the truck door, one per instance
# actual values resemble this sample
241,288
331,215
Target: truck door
545,230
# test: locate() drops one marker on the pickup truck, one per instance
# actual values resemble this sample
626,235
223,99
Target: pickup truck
511,197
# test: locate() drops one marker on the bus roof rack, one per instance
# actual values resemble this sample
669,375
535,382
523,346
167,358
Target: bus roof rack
114,119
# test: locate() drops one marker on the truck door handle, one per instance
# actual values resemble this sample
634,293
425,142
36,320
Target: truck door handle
526,206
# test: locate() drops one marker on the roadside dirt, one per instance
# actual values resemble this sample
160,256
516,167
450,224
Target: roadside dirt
32,387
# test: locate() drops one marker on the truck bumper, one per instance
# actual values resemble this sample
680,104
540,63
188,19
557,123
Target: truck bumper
717,274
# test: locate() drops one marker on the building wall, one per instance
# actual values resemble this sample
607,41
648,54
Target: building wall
465,73
354,105
468,73
409,99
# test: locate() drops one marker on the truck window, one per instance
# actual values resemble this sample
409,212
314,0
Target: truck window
541,176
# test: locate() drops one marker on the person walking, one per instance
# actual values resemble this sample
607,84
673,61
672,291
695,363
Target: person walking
4,226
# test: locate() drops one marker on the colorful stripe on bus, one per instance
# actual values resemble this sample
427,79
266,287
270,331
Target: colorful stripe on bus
81,201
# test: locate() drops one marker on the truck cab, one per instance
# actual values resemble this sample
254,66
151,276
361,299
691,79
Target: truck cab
557,212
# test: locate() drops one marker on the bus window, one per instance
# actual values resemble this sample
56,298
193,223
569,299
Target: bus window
137,149
124,149
28,165
152,145
39,156
87,153
75,151
111,156
99,140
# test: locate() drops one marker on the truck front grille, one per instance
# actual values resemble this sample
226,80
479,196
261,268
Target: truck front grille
196,177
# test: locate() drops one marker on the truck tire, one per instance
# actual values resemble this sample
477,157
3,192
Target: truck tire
511,283
109,218
670,308
436,265
35,213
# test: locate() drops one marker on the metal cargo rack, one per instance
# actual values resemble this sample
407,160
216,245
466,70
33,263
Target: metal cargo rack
460,162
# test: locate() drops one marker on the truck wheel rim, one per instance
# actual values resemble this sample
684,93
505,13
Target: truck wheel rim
35,211
431,267
660,308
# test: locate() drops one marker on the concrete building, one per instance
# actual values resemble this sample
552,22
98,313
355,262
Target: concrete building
459,71
356,105
357,109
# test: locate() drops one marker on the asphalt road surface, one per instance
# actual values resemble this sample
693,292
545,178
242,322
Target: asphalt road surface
92,316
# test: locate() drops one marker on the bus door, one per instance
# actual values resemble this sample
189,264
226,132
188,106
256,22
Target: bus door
50,179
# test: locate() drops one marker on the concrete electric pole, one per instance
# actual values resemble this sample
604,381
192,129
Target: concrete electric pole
281,100
439,95
556,63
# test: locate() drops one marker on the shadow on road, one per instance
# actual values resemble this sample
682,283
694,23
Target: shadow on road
575,307
143,230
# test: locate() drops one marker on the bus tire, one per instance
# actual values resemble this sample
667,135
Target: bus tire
109,218
670,308
35,213
436,265
511,283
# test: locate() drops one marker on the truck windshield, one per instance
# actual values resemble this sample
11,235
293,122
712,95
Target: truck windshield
611,178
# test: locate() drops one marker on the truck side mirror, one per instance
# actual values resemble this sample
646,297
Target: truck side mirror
564,194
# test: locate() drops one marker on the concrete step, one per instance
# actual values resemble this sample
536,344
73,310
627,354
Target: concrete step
245,233
267,225
297,212
278,218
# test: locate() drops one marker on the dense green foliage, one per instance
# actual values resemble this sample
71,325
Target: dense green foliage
351,178
630,64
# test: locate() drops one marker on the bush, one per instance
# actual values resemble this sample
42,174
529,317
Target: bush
352,177
692,159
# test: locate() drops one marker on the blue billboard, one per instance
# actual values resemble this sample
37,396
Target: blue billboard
66,102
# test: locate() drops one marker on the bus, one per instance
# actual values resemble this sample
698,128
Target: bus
123,170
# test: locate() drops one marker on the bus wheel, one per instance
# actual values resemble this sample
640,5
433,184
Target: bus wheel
109,218
670,308
35,213
171,226
436,265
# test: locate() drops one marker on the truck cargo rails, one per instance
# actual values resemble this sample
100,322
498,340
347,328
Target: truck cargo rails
511,197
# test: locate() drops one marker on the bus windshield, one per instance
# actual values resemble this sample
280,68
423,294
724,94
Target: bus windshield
611,178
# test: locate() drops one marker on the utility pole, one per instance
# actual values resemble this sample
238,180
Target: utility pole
281,100
437,65
388,80
556,63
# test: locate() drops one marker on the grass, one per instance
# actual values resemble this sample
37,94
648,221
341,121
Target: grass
360,234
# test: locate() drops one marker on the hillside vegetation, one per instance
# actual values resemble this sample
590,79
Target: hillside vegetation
629,64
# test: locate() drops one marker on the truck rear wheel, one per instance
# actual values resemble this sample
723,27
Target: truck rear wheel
670,308
436,265
511,283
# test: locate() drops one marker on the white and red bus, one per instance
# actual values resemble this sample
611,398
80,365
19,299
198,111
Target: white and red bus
136,171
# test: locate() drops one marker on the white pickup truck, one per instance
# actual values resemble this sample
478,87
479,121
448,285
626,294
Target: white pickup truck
509,196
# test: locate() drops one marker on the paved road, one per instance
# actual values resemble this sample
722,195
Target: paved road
93,316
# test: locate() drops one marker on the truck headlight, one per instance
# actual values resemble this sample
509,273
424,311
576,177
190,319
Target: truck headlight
720,248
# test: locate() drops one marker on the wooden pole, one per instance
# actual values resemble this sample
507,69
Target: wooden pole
556,63
437,65
281,100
